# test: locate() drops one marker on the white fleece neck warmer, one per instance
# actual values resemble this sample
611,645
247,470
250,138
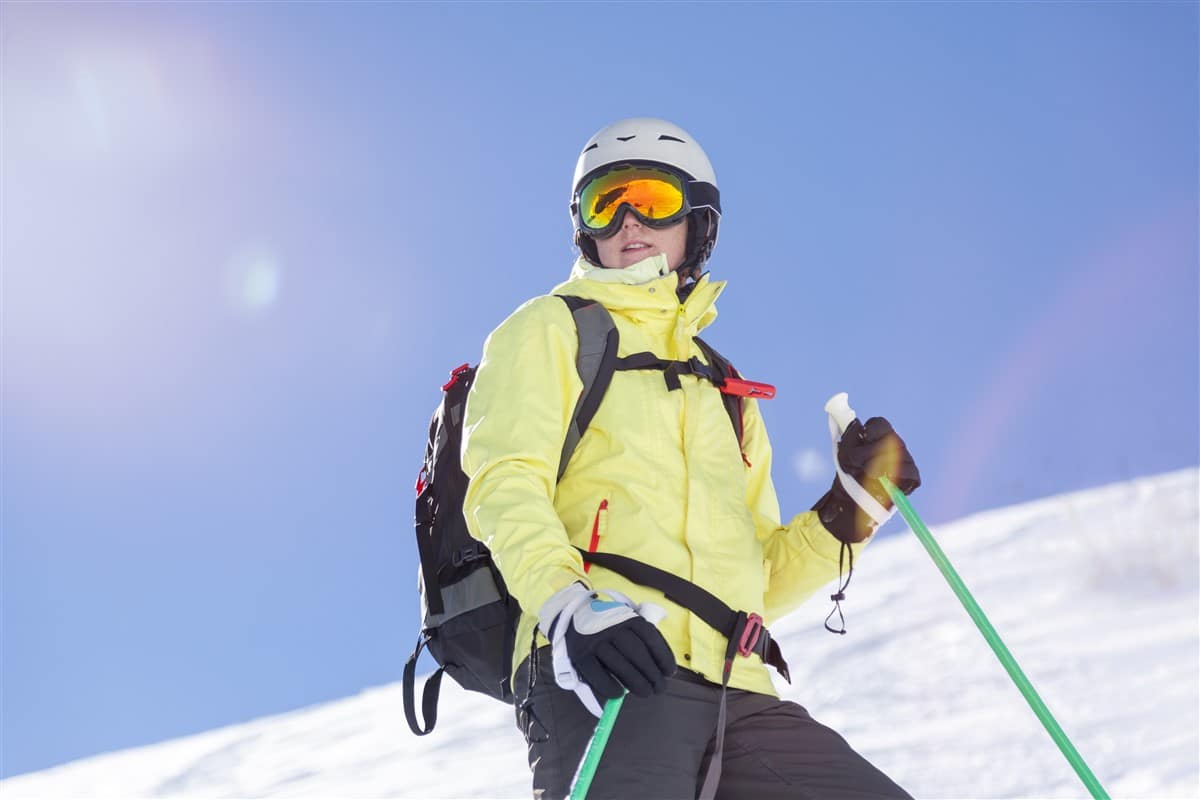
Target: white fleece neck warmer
644,271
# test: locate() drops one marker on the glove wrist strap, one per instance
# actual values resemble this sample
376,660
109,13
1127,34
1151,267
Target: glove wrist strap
862,498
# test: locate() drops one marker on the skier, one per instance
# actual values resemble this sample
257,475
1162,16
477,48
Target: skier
660,476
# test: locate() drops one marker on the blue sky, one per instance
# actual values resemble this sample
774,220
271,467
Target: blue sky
243,244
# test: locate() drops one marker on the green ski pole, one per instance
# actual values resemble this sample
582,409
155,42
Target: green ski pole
595,749
839,409
608,718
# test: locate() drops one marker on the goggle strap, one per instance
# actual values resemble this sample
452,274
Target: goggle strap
701,194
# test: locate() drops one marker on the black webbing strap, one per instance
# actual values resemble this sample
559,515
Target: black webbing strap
429,697
733,402
712,778
427,552
671,370
705,605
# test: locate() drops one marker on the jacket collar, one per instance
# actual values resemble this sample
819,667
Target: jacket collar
647,287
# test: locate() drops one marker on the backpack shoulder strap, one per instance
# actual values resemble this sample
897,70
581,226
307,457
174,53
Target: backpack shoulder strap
596,362
733,402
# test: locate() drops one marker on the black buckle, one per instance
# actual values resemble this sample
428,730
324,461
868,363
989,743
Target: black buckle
467,554
763,645
702,370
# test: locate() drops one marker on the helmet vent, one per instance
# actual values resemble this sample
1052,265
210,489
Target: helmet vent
626,138
664,137
591,146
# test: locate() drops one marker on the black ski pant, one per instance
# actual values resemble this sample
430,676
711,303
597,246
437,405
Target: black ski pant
661,746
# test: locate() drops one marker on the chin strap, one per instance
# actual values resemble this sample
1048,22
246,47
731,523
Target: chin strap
699,244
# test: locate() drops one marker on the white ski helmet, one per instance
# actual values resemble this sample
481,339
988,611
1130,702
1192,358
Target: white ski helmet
643,140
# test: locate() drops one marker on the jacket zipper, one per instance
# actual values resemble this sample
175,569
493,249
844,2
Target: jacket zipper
595,543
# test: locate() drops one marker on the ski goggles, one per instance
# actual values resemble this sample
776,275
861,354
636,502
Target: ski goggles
657,196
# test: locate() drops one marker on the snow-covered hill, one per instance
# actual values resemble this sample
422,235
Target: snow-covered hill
1095,593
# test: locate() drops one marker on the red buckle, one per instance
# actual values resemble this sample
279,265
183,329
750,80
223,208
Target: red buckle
454,376
421,476
744,388
750,633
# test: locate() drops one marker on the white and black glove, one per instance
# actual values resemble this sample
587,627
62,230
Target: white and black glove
602,647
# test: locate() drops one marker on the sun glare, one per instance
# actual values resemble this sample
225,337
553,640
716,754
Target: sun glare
810,465
253,279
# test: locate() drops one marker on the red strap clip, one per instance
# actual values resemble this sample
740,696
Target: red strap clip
454,376
750,633
744,388
421,477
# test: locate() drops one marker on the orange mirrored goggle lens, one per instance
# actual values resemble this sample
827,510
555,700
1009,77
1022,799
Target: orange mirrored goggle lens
653,193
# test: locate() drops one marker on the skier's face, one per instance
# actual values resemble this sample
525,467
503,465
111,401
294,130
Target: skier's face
635,241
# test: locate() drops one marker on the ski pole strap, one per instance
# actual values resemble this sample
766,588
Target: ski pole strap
429,697
840,595
744,631
872,507
712,776
526,714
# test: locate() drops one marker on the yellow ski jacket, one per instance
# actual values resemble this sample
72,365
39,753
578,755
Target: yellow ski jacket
658,475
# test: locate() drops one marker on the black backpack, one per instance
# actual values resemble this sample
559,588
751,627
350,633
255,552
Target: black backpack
469,620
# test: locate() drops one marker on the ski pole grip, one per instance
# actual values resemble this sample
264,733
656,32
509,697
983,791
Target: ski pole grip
840,416
838,408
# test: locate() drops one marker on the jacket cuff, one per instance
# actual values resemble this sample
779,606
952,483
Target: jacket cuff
825,544
842,517
550,610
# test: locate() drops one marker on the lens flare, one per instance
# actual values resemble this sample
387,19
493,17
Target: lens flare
1125,280
253,279
811,466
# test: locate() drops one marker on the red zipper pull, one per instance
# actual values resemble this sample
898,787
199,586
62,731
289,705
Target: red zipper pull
596,532
744,388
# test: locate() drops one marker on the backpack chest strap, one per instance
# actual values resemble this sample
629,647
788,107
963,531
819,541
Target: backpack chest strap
671,370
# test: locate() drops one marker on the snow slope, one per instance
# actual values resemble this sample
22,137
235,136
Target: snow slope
1095,593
